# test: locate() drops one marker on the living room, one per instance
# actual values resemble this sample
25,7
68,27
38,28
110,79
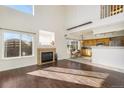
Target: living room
34,45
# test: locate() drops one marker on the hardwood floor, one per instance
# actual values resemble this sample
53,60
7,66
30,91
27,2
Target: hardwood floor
19,77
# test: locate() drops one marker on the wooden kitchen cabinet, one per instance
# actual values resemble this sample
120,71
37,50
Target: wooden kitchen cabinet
93,42
86,52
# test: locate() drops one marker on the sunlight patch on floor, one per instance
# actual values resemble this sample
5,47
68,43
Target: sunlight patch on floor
84,60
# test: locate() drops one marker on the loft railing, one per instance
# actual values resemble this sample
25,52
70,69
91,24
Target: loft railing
110,10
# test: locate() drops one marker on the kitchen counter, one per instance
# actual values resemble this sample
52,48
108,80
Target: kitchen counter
112,56
110,47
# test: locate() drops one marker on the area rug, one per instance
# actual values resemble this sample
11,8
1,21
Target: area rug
94,79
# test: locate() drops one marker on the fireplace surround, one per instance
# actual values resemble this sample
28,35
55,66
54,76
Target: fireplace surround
45,55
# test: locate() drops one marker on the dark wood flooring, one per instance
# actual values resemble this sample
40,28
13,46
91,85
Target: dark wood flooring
18,77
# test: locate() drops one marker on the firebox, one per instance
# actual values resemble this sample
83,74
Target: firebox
46,56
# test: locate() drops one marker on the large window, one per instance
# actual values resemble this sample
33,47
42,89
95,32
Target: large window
12,44
23,8
26,45
17,45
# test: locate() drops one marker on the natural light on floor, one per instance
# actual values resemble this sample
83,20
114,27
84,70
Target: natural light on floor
94,79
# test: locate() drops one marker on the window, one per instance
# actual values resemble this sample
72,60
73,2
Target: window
110,10
26,45
17,44
46,38
23,8
11,47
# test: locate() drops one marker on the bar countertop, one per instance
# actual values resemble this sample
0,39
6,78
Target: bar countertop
111,47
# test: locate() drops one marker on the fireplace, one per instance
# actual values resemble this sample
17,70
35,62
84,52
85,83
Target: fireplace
45,55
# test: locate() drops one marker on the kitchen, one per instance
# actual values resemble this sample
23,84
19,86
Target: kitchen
104,39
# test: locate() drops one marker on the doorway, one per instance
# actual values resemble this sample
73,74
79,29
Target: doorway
73,48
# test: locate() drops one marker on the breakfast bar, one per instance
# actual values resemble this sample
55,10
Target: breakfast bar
112,56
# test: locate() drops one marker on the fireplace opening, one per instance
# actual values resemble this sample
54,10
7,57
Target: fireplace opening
46,56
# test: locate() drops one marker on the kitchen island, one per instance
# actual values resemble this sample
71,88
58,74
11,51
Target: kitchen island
109,56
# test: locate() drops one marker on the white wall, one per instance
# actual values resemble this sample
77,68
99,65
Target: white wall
109,24
79,14
50,18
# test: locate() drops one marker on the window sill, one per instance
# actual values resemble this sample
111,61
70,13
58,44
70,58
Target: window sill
12,58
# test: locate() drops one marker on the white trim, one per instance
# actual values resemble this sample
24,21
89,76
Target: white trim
33,9
9,58
3,46
20,46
